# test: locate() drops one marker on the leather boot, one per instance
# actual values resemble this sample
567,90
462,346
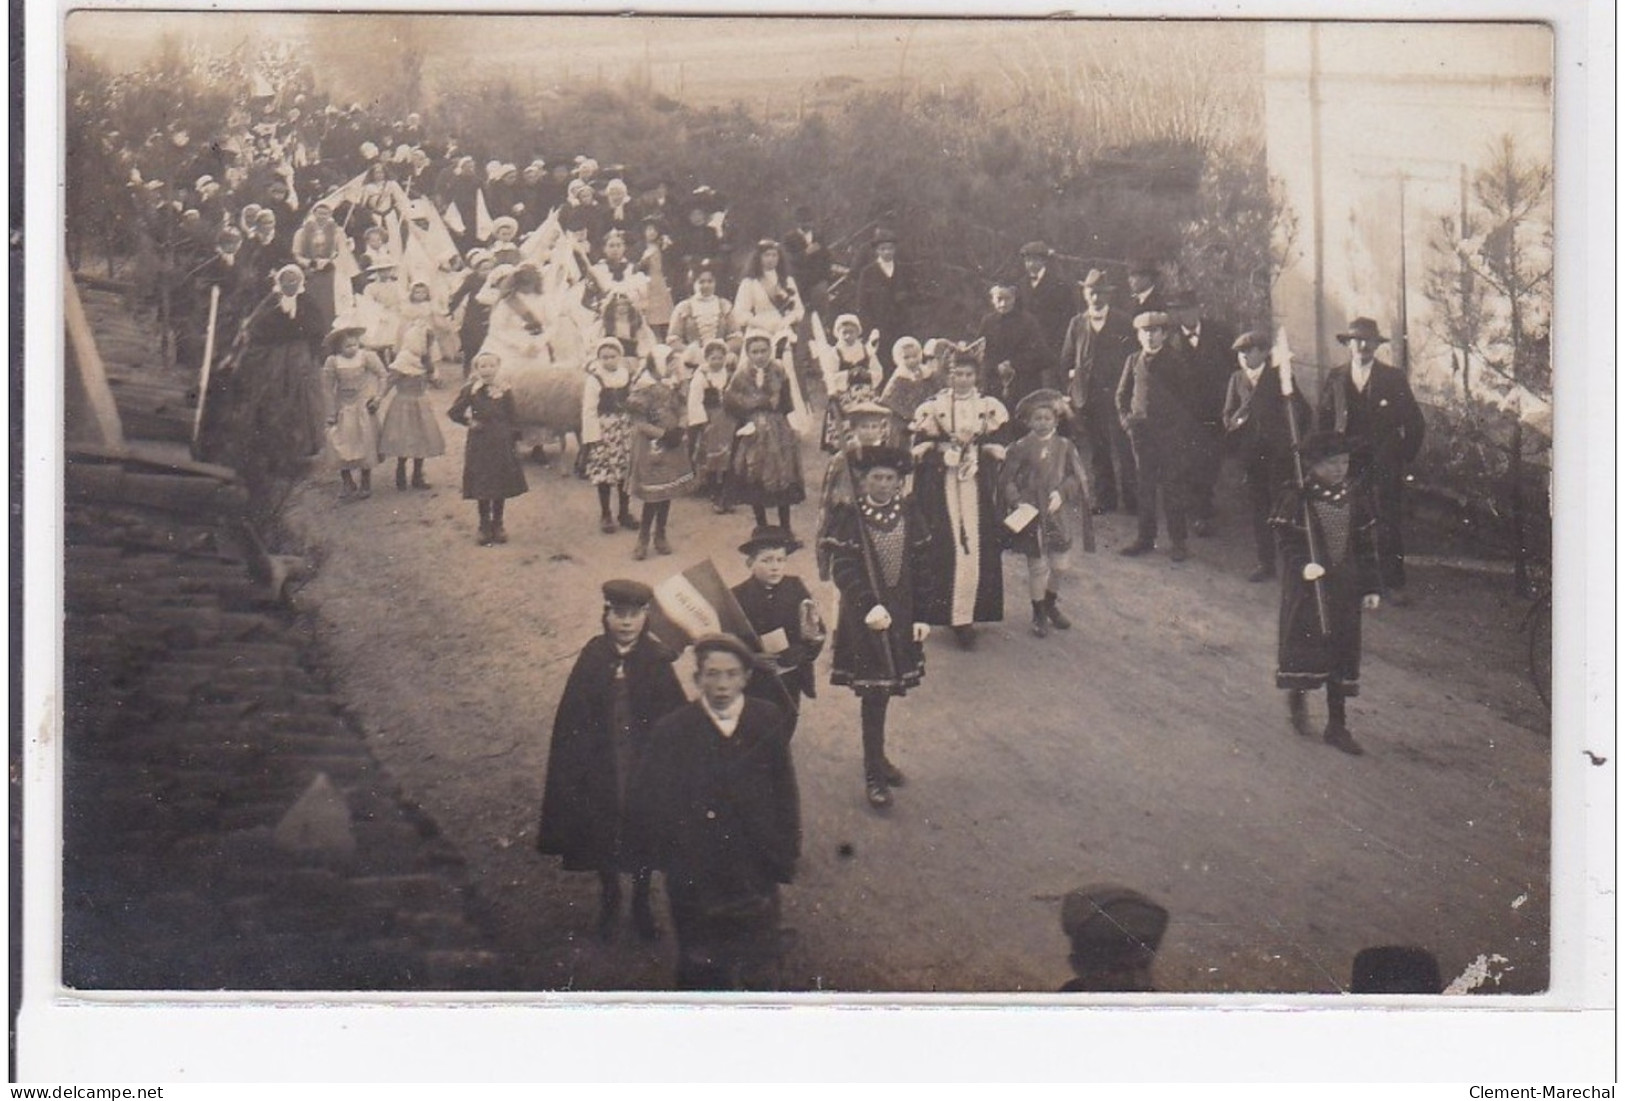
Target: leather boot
1056,618
1040,620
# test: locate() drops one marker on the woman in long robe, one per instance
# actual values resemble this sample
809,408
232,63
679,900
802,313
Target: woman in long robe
956,485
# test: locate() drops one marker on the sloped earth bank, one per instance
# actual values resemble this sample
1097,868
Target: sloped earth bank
1146,746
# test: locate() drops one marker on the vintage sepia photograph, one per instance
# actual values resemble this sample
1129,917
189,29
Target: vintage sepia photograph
591,505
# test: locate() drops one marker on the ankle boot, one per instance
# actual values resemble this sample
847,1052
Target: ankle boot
485,533
1059,621
366,484
418,481
400,475
1040,619
641,551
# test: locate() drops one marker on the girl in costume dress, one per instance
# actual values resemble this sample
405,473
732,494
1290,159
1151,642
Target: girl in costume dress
622,320
878,558
315,249
710,422
702,316
491,471
606,431
869,422
765,471
851,374
409,430
914,379
621,684
661,468
352,383
956,483
767,299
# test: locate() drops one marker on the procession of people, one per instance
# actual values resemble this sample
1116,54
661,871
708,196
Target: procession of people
575,299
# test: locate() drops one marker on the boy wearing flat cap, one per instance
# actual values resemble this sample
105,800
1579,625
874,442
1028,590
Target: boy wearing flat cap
782,613
621,684
713,804
1327,538
1372,401
1115,933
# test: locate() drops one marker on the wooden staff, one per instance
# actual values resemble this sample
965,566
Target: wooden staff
1308,512
870,569
208,362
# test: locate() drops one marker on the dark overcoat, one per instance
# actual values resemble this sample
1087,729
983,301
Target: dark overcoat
1307,657
720,816
1052,301
1017,339
581,802
779,608
491,469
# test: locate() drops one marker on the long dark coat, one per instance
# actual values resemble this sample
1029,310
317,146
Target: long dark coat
1052,301
885,302
581,803
720,816
779,608
860,653
1016,338
491,469
1306,657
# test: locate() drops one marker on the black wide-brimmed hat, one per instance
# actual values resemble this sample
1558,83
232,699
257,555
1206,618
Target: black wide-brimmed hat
865,459
763,538
1362,328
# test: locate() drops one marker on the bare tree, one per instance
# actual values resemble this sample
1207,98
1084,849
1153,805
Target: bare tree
1489,281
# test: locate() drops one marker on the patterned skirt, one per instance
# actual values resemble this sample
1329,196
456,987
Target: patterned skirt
610,459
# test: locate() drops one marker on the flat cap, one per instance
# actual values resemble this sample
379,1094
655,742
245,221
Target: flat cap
625,593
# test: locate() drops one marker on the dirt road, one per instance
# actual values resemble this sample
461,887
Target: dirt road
1146,746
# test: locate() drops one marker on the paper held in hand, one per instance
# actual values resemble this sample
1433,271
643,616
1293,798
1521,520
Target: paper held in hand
1020,516
775,641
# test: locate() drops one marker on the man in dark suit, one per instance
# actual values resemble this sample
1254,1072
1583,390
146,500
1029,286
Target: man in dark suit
1045,295
1098,342
1152,402
1372,401
1255,419
1206,344
1145,287
713,804
885,297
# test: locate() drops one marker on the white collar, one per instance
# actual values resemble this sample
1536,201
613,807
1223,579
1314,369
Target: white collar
727,722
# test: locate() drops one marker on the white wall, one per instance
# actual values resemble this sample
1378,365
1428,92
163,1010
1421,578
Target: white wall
1419,99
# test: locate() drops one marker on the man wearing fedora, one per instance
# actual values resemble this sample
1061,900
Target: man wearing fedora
1145,287
1043,293
1097,343
1371,401
1152,401
885,296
